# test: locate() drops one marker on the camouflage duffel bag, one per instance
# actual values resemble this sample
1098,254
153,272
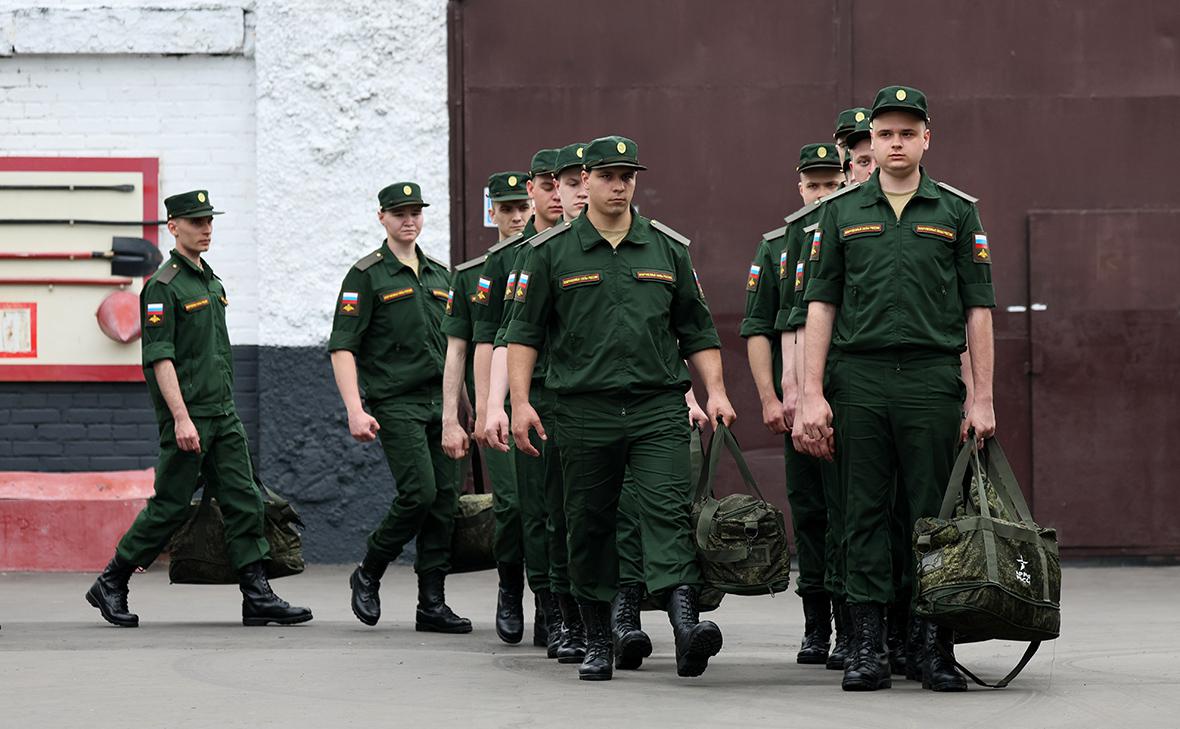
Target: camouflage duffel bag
475,524
198,551
741,539
985,568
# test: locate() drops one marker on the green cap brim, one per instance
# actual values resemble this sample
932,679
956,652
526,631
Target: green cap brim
407,203
616,162
199,214
820,165
843,131
913,110
854,137
511,197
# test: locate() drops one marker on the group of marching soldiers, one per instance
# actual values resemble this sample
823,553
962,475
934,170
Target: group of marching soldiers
564,353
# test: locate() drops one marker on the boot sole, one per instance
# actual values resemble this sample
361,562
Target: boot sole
703,645
945,687
571,659
109,618
258,622
859,685
423,628
630,653
510,638
363,618
594,676
811,660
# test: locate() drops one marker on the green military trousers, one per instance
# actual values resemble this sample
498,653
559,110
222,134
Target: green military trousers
602,435
426,478
630,538
808,499
224,463
521,527
897,426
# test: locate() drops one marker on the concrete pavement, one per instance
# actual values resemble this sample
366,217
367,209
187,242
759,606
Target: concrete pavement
192,664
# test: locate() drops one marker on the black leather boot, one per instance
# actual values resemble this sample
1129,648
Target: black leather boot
365,582
509,602
631,644
915,655
109,594
260,605
553,624
433,615
866,667
597,665
817,629
696,641
897,636
843,644
540,631
940,673
573,640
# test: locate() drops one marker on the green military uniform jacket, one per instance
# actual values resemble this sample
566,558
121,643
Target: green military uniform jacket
615,319
520,263
762,297
488,311
799,253
183,309
900,285
390,319
457,320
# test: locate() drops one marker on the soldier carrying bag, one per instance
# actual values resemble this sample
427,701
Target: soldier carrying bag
475,525
198,551
985,568
741,539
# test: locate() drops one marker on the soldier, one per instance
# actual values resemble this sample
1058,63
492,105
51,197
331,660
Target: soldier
521,538
187,365
615,296
845,123
902,268
387,327
859,150
773,367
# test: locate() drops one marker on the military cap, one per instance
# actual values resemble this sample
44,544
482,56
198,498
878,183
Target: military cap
505,186
611,152
571,155
848,119
900,98
859,132
544,161
818,156
193,204
400,194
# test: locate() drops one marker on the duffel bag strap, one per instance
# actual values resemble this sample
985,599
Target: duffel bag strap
1028,654
723,434
476,470
1004,480
954,486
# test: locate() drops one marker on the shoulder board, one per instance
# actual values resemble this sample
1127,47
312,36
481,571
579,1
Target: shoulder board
437,262
960,193
168,272
811,227
838,193
477,261
776,233
505,243
367,262
670,233
800,213
553,232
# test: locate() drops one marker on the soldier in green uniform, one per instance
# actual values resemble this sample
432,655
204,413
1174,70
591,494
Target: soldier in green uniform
902,284
387,328
773,367
188,368
615,298
845,124
859,150
521,538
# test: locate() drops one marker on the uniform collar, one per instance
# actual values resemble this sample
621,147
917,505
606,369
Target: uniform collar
927,188
639,233
207,271
529,229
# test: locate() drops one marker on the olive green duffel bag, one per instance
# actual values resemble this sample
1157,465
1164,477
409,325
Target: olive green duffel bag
985,568
475,524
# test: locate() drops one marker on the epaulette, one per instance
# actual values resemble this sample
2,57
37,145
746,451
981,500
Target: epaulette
811,227
800,213
670,233
553,232
776,233
838,193
506,242
367,262
168,273
437,262
960,193
477,261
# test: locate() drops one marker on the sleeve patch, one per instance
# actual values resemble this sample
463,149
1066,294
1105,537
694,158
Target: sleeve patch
522,286
450,302
349,304
754,277
799,276
154,315
510,289
483,291
981,254
816,239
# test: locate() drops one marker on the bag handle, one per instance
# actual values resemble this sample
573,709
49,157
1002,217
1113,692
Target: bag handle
723,436
954,488
1005,481
476,470
1028,654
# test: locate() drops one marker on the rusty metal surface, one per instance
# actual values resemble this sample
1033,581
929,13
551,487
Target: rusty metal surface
1035,104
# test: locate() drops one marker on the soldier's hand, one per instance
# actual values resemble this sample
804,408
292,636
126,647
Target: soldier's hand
720,409
790,407
497,431
982,417
525,419
478,430
697,416
773,415
363,427
455,440
797,437
818,436
187,438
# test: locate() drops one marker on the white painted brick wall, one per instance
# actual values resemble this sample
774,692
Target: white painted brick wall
196,113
